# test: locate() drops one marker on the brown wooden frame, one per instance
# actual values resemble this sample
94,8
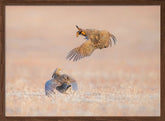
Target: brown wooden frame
3,3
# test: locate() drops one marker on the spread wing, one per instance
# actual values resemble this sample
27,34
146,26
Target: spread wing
50,86
60,85
73,84
84,50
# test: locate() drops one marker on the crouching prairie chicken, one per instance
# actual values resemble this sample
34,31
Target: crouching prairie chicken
96,39
61,82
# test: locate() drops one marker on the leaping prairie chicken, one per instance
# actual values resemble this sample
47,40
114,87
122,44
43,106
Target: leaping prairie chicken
60,82
96,39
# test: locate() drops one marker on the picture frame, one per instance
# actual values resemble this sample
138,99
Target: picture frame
5,3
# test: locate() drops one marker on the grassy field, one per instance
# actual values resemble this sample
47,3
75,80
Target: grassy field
120,81
114,91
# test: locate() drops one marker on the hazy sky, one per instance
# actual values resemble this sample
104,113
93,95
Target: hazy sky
50,32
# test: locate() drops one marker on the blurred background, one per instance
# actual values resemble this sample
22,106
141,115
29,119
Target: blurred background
123,80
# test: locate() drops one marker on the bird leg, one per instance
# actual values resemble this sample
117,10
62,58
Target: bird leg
69,90
63,88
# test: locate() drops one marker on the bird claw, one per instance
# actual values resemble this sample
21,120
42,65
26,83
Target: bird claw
69,91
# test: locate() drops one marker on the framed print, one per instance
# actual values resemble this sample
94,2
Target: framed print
82,60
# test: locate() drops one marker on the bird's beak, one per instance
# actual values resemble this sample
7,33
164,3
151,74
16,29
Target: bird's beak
77,34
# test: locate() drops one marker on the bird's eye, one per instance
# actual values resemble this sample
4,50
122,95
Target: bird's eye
68,78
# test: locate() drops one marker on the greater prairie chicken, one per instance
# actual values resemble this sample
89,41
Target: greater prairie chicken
60,82
96,39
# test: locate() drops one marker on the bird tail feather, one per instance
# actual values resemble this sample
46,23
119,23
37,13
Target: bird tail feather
112,37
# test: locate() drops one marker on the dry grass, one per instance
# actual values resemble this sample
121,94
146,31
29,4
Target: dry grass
115,91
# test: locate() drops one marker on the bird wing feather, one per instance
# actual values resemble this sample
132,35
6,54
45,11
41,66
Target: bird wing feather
86,49
50,86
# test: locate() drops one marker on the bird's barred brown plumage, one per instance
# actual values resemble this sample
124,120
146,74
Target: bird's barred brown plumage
95,39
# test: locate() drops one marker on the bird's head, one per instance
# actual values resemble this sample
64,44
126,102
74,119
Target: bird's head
57,72
80,32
